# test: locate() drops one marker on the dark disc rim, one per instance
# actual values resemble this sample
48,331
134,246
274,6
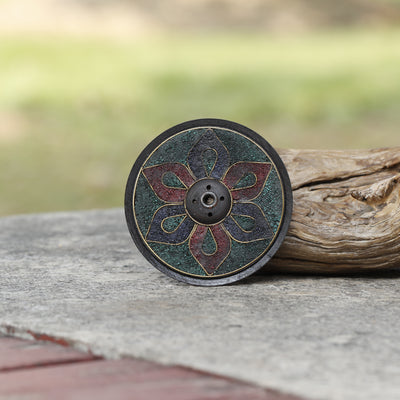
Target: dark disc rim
286,215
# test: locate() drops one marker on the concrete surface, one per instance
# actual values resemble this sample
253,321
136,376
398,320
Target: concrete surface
77,277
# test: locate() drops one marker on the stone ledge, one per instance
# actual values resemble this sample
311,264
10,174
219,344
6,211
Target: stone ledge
77,277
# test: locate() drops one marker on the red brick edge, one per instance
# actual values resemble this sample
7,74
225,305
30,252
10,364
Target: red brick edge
47,370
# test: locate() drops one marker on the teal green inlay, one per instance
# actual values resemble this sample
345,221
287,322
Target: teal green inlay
246,223
246,180
270,200
209,246
146,204
209,159
171,223
242,254
240,148
171,180
179,257
176,149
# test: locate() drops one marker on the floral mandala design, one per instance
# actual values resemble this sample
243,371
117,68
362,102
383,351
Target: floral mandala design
196,232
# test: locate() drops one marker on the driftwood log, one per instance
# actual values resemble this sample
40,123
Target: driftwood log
346,212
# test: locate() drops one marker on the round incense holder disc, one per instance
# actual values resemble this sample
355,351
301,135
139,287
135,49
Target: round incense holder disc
208,202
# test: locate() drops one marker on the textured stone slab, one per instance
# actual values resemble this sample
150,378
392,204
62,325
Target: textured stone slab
77,277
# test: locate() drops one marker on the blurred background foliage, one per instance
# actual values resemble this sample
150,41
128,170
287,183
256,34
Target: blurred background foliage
86,84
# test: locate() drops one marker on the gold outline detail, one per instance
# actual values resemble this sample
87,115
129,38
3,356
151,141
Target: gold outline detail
216,268
263,214
172,187
216,160
215,163
151,222
243,215
156,165
247,187
216,245
265,181
172,216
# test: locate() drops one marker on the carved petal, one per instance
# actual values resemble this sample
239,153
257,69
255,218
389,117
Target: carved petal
210,262
156,231
260,230
237,171
166,193
208,141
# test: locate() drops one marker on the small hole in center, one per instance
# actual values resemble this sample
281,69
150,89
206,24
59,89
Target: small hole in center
194,201
208,187
222,198
208,199
210,214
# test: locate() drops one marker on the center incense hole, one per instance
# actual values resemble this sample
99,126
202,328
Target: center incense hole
208,199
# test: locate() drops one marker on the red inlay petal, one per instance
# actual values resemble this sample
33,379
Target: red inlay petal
210,262
237,171
169,194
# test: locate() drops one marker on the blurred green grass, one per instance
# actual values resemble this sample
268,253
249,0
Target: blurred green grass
75,113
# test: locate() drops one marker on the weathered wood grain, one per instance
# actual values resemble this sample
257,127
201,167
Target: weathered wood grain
346,213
